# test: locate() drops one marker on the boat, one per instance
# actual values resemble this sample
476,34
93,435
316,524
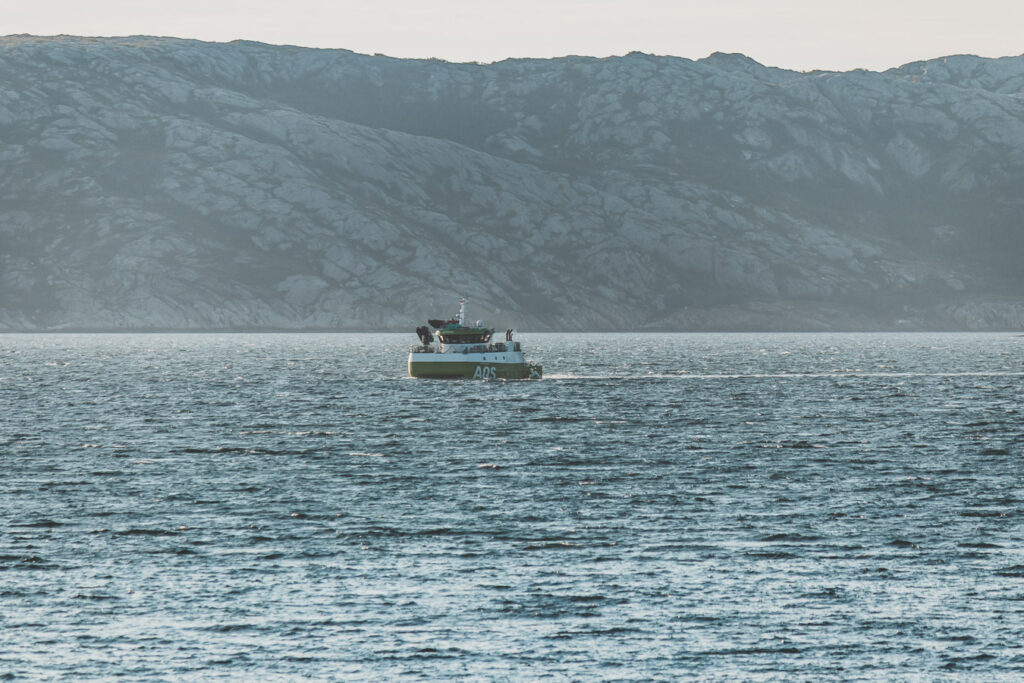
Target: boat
466,352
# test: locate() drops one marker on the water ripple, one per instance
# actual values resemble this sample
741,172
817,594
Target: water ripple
658,507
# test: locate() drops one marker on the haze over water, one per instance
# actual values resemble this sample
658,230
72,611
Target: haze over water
661,506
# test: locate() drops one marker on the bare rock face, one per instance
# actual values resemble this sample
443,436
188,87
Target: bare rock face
150,183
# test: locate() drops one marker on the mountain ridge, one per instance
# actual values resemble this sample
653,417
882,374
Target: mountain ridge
165,183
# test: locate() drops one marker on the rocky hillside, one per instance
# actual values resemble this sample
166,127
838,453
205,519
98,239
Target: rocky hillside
150,183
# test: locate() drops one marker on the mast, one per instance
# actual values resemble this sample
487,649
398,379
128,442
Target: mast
462,311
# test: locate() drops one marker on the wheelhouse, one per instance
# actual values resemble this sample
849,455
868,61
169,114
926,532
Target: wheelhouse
464,335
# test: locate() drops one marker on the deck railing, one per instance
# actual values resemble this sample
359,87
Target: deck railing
498,347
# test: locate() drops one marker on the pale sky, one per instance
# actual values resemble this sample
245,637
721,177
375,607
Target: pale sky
794,34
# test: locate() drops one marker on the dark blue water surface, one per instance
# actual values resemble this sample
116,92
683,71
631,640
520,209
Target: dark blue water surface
658,507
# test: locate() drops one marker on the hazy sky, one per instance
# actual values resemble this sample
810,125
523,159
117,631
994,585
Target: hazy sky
796,34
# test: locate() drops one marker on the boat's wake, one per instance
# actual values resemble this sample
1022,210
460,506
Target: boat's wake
781,375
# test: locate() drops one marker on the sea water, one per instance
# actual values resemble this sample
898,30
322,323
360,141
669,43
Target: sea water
657,507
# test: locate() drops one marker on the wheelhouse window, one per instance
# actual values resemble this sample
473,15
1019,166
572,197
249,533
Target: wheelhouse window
464,338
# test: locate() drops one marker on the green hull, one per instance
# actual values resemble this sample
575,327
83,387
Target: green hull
474,370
